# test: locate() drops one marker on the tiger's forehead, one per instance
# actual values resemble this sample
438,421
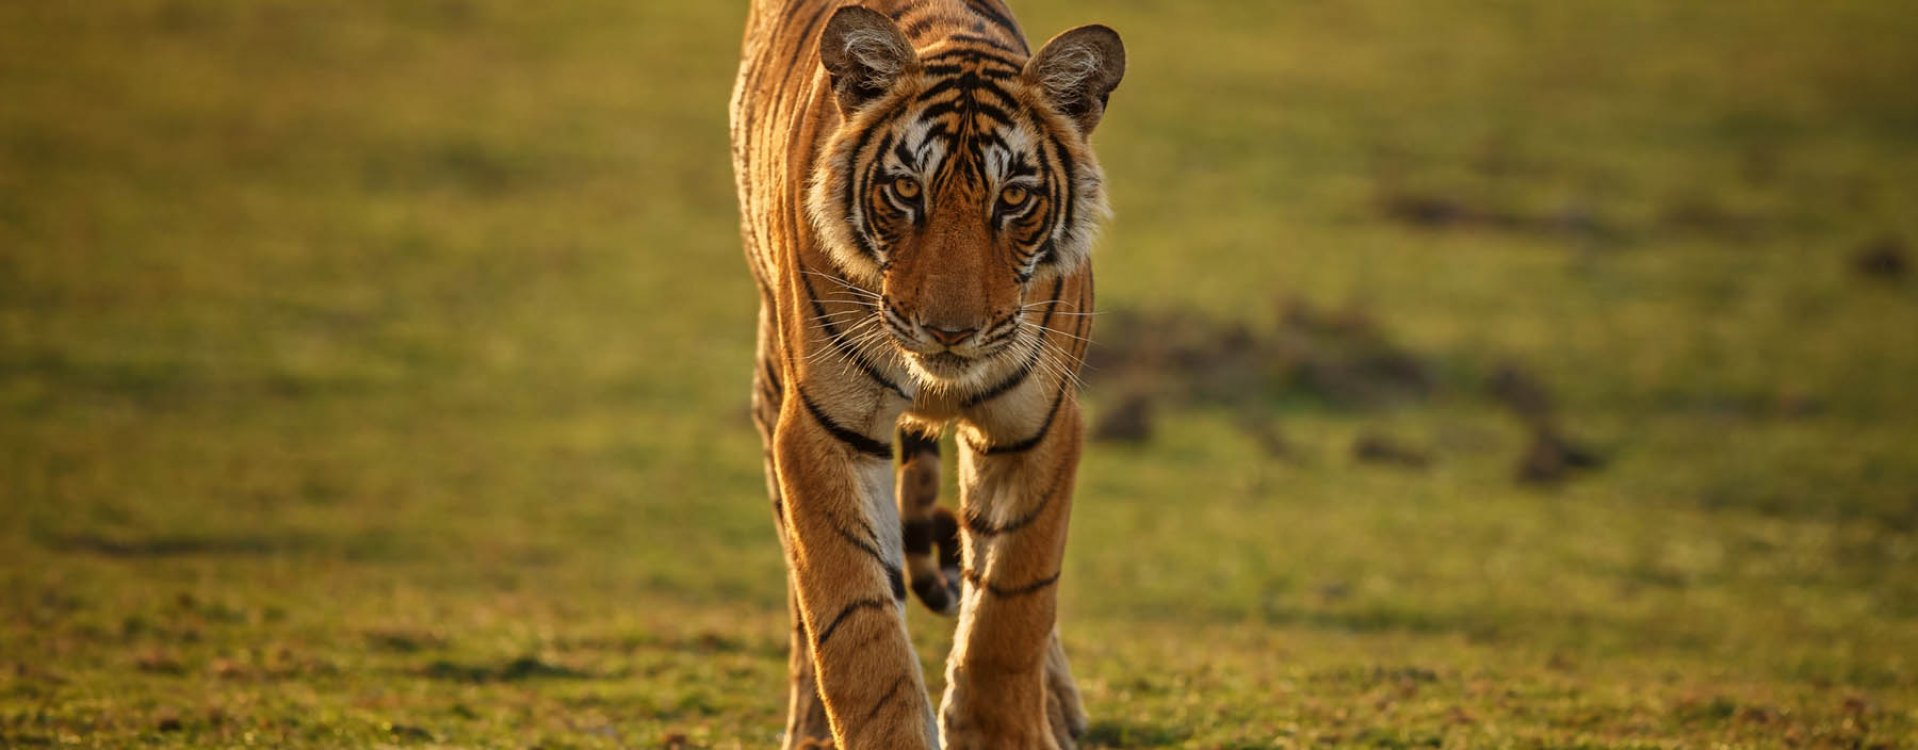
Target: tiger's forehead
960,60
967,119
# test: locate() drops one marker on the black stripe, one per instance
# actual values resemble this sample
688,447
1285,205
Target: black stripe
1067,189
903,154
963,83
1031,442
947,62
808,40
838,341
1001,20
1000,71
849,194
989,138
865,545
914,442
993,43
845,613
998,335
918,536
920,26
1011,382
981,527
871,548
998,94
885,699
1032,363
859,183
934,592
999,117
1057,190
967,103
794,10
898,581
946,530
855,440
1010,592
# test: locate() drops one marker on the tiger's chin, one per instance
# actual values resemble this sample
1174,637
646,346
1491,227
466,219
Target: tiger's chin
947,372
943,369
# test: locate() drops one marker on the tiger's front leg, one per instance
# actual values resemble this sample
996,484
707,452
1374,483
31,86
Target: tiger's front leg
1005,666
844,554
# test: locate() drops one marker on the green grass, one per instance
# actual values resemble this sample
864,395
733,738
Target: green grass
375,374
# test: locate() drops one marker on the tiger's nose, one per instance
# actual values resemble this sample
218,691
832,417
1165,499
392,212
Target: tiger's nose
951,336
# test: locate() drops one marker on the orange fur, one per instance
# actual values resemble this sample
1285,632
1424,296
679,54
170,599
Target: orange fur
918,201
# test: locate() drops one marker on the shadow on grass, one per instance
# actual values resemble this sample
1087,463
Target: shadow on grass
371,545
173,545
1377,619
1126,734
517,670
168,384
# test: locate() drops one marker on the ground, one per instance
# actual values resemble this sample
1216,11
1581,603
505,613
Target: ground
1475,375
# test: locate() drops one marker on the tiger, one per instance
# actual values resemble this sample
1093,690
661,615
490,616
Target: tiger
918,201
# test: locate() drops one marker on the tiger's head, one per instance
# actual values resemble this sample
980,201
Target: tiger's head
959,180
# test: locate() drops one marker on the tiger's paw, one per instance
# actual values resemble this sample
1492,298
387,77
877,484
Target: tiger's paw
1064,711
1038,737
1038,721
807,727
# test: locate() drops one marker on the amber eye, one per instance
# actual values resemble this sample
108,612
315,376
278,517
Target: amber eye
1014,196
905,187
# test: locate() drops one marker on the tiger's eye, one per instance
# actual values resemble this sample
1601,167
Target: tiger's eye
1014,196
906,187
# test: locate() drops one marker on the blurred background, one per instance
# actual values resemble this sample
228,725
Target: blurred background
1471,374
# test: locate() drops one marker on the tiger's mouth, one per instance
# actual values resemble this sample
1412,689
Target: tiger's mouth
949,358
952,367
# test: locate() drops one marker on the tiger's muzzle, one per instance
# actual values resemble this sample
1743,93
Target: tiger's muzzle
945,349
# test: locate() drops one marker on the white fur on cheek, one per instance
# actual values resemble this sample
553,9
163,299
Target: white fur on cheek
833,220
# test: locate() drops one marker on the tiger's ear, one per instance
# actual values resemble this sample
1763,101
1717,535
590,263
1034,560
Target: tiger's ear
864,54
1078,70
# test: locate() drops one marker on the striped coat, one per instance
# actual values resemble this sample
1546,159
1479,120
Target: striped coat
918,202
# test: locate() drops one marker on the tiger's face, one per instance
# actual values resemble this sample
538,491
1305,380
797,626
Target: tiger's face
959,181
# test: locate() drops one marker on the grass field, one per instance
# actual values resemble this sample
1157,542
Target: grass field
375,374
